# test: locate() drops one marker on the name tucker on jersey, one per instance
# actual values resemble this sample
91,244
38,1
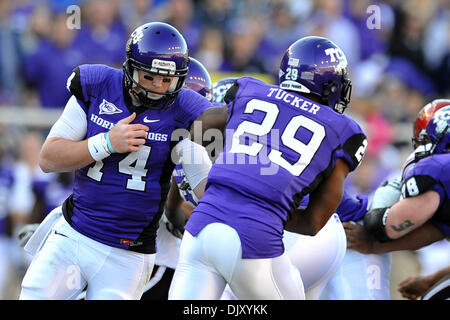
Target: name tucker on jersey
293,100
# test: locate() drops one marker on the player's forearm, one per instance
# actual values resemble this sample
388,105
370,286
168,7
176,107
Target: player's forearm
418,238
59,155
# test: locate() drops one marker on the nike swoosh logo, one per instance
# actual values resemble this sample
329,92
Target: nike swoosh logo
150,121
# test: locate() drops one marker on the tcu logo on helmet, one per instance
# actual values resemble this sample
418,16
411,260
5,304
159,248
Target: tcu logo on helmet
441,119
137,35
335,54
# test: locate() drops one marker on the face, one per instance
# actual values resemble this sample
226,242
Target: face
154,82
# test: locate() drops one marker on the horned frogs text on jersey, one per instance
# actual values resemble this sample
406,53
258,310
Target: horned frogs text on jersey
279,146
125,211
431,174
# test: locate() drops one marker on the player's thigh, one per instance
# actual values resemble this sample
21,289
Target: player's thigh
122,275
53,273
267,279
194,278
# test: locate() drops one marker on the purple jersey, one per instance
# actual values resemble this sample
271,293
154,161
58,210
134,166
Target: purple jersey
350,209
431,174
119,200
279,147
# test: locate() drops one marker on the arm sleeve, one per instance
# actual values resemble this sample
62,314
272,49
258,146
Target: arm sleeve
72,124
352,208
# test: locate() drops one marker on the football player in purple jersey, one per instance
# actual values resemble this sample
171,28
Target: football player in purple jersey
425,230
282,143
180,203
373,258
399,226
116,134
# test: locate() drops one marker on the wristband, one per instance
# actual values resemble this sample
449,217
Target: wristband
96,147
108,142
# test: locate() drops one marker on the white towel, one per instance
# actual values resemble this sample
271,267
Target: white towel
41,234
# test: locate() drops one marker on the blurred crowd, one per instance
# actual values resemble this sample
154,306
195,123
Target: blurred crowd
398,51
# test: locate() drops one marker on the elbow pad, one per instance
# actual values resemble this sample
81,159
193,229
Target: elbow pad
375,222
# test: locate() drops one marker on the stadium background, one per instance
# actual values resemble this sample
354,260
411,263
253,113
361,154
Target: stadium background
399,61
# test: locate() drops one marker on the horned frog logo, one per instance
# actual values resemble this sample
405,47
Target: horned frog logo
137,35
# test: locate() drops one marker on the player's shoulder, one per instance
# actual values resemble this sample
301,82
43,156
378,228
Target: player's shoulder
431,165
87,79
187,97
425,175
347,123
92,73
246,86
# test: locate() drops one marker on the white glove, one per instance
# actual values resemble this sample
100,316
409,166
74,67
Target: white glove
26,232
387,194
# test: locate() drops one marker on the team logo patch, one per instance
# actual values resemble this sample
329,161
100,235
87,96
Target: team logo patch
108,108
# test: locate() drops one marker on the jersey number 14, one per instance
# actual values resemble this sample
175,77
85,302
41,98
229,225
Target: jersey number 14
133,164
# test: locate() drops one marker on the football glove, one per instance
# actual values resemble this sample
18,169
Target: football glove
387,194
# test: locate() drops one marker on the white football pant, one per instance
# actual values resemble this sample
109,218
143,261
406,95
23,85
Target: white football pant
69,261
316,257
214,258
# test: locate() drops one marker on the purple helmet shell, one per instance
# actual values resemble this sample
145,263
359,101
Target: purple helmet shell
221,87
156,48
438,130
198,79
317,66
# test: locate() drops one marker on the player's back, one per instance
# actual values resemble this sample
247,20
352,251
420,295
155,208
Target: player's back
279,146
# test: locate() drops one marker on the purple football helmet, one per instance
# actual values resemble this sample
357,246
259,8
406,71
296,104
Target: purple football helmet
438,130
317,66
221,87
156,48
198,79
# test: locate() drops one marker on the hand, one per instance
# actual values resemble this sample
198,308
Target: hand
387,194
357,238
126,137
173,230
171,227
26,232
413,287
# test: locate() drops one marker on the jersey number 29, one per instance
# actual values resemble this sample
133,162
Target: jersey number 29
306,151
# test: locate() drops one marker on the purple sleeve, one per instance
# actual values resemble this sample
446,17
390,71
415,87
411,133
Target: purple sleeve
353,145
352,208
423,177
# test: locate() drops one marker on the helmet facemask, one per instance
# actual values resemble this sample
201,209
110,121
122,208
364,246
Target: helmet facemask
143,95
337,99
